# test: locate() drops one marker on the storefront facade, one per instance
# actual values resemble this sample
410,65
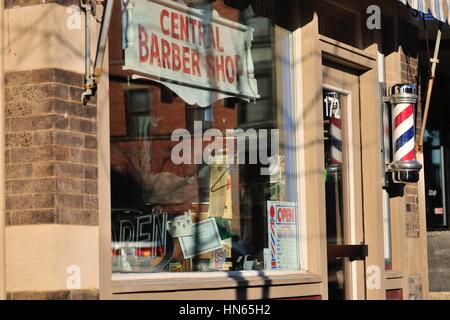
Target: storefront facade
232,150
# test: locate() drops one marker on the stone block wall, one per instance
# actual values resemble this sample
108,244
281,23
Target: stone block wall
52,219
51,150
413,202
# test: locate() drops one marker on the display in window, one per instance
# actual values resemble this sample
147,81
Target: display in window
218,260
180,226
283,236
277,181
224,192
206,238
199,204
140,242
175,267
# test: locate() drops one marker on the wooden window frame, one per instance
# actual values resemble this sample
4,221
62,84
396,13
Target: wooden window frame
156,286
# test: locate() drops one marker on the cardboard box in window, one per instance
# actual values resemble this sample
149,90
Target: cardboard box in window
224,189
199,211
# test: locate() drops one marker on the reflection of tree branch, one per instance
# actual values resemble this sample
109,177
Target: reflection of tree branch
137,166
60,41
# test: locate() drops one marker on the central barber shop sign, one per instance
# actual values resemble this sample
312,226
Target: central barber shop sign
197,54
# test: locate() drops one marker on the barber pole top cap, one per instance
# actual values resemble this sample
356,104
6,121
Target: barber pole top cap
403,93
404,88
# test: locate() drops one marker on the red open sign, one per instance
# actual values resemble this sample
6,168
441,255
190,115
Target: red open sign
286,215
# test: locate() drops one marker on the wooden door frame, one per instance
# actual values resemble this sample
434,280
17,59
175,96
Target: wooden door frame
310,48
352,176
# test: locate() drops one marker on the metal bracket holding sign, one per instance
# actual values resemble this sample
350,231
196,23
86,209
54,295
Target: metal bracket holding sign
93,72
199,55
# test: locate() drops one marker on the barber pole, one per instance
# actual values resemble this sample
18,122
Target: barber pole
404,132
405,168
273,244
336,140
333,110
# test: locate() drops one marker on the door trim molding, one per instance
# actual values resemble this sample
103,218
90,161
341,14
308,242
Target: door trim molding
364,63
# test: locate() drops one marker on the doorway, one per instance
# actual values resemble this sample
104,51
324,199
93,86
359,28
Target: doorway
343,182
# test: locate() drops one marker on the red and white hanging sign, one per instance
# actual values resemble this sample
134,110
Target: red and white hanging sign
199,55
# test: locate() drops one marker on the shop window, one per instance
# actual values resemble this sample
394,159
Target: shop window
436,152
138,116
436,195
335,155
236,211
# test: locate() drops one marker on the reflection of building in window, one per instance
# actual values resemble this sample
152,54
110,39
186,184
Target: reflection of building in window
143,116
261,113
435,182
203,115
436,151
138,115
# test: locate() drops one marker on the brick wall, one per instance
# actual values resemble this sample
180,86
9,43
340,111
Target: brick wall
409,60
51,150
410,74
51,158
55,295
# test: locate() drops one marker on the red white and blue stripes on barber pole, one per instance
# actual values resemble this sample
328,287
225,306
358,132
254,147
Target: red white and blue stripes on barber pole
404,132
273,245
336,138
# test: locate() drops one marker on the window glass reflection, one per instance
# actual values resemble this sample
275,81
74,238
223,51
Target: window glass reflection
170,216
334,164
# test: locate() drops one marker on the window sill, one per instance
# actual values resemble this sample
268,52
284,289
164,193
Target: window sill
135,283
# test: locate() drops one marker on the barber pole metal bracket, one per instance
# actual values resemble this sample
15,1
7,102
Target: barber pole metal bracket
404,168
94,70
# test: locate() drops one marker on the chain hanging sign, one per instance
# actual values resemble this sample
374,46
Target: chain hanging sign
197,54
